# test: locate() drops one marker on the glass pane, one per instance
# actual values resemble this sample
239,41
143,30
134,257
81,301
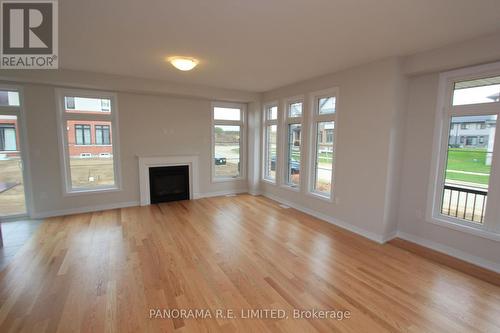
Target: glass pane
468,167
293,163
270,153
295,110
324,157
485,90
227,151
227,113
91,164
12,201
9,98
85,104
272,113
326,105
102,134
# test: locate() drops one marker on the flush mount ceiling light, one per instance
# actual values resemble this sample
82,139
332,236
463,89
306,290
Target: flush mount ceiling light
183,63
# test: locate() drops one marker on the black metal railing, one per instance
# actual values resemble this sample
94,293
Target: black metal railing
465,203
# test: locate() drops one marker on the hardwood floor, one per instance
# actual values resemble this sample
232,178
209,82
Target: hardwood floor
105,272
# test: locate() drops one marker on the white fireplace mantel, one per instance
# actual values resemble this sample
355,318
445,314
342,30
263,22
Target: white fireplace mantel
146,162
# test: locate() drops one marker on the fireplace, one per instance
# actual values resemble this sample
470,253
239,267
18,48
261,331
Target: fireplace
149,162
169,183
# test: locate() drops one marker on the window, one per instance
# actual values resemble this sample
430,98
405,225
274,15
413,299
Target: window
293,142
78,104
329,135
70,103
8,141
102,135
105,105
88,122
82,134
9,98
227,141
467,185
270,142
326,105
479,91
295,110
467,174
323,128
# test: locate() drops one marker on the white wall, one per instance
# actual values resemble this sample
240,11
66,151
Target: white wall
369,114
149,125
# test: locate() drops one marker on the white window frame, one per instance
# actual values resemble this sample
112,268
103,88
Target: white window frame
287,120
444,111
265,123
313,128
63,117
242,124
19,112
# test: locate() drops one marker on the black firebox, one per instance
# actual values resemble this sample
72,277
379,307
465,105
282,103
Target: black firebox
170,183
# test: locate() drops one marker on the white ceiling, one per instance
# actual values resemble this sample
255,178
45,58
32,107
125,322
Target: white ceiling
258,45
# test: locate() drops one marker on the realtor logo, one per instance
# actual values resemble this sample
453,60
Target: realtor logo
29,38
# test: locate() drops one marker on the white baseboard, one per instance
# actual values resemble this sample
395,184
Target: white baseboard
390,236
345,225
254,193
218,193
88,209
451,251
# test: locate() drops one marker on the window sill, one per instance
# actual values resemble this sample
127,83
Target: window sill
225,180
268,181
290,188
91,191
15,217
476,231
321,197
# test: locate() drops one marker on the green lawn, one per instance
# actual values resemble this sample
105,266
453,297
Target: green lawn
470,160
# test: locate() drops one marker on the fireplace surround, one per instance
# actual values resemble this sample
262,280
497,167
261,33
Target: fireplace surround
147,162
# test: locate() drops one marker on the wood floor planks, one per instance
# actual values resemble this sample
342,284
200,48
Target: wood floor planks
104,271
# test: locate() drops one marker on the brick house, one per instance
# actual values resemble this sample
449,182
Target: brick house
89,139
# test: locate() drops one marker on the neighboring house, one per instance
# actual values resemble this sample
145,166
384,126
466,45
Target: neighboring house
472,132
325,136
89,139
